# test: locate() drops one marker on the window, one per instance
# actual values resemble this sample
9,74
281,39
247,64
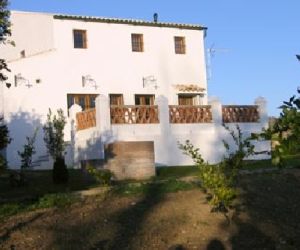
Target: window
116,99
86,101
179,44
80,40
144,99
186,99
137,42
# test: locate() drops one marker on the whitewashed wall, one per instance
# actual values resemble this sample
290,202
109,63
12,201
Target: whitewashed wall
207,137
51,59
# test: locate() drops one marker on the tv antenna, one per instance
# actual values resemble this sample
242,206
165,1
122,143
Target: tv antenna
211,51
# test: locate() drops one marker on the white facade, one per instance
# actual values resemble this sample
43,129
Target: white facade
50,68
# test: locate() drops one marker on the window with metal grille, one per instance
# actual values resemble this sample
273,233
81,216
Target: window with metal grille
116,99
137,42
80,39
179,45
144,99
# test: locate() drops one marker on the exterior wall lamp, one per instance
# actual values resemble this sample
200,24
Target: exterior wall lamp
19,80
88,80
150,81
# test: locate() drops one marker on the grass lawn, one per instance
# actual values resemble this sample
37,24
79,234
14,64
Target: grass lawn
40,183
153,216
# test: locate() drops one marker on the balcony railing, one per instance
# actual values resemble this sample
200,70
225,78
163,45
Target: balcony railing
134,114
245,113
86,119
190,114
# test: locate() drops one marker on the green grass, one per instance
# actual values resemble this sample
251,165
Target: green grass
290,161
39,183
161,187
60,200
176,172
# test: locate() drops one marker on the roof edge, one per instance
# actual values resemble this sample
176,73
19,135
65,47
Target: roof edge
129,21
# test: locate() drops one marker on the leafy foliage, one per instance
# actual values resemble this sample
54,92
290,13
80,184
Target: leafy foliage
287,126
286,131
4,33
4,141
103,176
243,148
28,151
220,180
54,133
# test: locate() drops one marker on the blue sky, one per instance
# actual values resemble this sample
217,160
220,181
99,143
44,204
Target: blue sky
260,39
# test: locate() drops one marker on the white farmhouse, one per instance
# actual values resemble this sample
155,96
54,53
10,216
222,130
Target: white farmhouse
149,77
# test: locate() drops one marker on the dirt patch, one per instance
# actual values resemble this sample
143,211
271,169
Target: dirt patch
267,217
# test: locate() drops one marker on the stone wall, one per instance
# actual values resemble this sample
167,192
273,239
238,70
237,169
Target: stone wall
130,159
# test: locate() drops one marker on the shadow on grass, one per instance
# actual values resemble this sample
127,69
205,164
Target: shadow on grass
89,232
130,220
4,237
268,213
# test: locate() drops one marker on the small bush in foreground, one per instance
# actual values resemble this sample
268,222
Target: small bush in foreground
102,176
220,180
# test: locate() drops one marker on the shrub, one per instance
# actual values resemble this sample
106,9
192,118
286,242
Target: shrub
28,151
54,133
102,176
60,172
219,181
4,141
54,139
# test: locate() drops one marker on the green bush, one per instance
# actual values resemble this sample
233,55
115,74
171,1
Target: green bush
4,141
220,180
60,172
28,151
102,176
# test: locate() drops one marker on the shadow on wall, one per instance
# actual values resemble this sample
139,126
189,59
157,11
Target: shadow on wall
20,125
91,150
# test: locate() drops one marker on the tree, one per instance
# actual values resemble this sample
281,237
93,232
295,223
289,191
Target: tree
4,141
286,130
54,134
28,151
5,32
54,139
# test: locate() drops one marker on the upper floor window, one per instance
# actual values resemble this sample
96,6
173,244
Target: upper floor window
144,99
116,99
86,101
80,39
179,44
137,42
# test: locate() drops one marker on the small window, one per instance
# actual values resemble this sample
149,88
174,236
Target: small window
116,99
80,39
144,99
186,99
179,45
137,42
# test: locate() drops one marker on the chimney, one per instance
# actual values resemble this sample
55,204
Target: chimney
155,17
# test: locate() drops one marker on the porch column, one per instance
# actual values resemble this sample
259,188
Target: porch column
75,108
216,109
165,148
103,122
261,102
